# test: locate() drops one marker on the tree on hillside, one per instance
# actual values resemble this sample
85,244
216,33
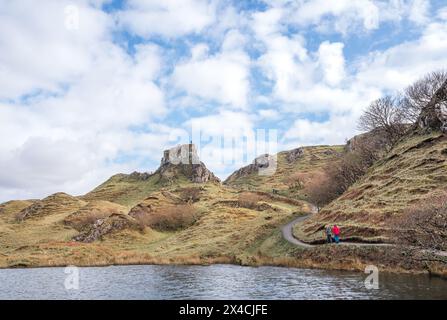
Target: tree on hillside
419,94
385,115
337,177
320,190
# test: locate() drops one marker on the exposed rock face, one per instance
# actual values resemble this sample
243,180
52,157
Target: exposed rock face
30,211
184,160
374,139
94,210
140,175
434,114
263,162
101,227
294,154
182,154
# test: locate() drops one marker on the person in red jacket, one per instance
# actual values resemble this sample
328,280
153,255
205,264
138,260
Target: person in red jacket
336,233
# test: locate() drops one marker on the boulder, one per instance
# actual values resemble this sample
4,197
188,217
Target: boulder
101,227
434,114
294,155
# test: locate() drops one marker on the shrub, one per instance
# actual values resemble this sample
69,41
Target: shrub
424,224
168,218
296,180
248,200
320,190
190,194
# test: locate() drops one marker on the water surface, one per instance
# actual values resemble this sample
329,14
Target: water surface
212,282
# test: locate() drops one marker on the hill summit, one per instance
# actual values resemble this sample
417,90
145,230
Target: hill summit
183,160
179,166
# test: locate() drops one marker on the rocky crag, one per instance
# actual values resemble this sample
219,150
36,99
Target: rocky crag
434,114
184,160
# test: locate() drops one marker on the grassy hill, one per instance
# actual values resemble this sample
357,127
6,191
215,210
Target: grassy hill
411,171
166,217
228,224
127,189
294,169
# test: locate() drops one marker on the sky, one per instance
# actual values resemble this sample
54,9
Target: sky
91,88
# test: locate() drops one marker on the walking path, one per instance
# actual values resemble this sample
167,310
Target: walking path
287,233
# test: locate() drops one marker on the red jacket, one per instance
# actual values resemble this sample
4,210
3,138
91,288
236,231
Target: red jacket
336,231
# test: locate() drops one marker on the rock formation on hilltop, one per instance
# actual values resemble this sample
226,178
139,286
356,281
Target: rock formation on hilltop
183,160
263,162
294,154
375,140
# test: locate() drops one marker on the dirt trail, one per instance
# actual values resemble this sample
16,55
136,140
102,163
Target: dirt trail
287,233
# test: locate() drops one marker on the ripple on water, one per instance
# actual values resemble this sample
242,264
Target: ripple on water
213,282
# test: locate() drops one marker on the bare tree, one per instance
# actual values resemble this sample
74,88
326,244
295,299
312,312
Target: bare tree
385,115
338,177
321,190
419,94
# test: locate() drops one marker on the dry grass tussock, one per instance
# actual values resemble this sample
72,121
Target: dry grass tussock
169,218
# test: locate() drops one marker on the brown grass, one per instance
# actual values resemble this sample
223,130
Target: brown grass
170,218
190,194
424,224
249,200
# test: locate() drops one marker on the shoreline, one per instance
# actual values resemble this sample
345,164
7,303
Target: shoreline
284,262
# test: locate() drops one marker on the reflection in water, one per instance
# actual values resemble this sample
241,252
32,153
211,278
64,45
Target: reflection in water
213,282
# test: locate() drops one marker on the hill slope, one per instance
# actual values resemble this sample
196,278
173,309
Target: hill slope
114,223
414,169
228,225
294,169
179,166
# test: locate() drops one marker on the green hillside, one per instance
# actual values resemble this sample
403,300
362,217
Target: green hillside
414,169
294,169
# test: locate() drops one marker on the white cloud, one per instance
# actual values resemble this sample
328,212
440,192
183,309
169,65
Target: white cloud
332,62
39,52
419,11
333,131
233,122
75,107
222,77
269,114
67,137
346,14
168,17
396,67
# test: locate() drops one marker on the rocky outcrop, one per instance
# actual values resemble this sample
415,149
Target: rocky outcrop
101,227
375,140
182,154
140,175
434,114
56,203
263,162
94,210
294,155
183,160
